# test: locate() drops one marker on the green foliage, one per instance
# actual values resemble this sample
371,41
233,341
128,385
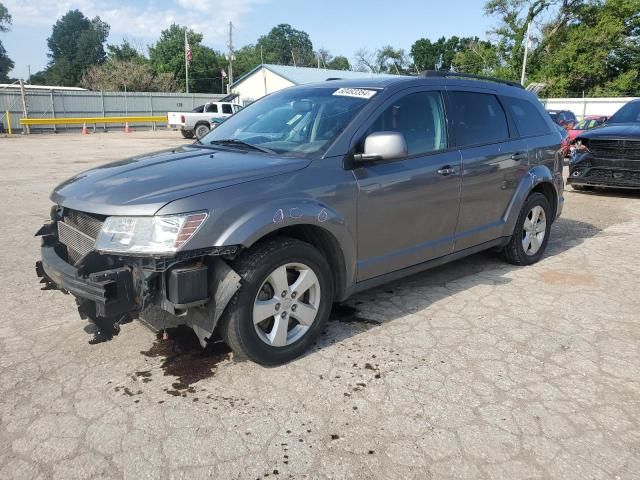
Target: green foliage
284,45
76,43
6,64
599,54
442,53
129,75
167,56
246,59
339,63
125,52
384,60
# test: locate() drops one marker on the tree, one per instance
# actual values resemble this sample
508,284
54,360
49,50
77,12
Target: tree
6,64
246,58
514,18
438,55
125,52
478,57
339,63
130,75
284,45
76,43
596,53
384,60
167,56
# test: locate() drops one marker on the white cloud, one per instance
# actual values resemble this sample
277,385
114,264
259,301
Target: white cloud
140,19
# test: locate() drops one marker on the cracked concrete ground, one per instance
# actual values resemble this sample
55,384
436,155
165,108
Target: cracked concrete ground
476,369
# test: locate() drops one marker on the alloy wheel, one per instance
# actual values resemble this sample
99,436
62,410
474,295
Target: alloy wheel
286,305
534,230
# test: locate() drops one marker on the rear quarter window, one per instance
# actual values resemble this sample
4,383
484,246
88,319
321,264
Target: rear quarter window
527,117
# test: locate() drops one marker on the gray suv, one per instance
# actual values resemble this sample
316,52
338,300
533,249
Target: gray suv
302,199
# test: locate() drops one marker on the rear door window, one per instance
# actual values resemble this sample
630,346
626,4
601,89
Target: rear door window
212,108
529,121
478,118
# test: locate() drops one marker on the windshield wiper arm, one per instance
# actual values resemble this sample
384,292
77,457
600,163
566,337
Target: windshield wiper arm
239,143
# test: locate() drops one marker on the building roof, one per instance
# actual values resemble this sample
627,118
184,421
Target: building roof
303,75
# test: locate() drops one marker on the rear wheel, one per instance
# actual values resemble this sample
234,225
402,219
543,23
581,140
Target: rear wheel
283,304
187,133
201,130
530,237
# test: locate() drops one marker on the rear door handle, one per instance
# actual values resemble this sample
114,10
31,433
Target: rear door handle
518,156
446,171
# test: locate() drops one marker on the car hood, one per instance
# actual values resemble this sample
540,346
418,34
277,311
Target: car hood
144,184
614,130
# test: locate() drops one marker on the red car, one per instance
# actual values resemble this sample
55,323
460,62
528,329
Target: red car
589,122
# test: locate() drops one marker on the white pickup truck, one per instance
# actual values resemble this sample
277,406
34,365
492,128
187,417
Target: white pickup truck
199,121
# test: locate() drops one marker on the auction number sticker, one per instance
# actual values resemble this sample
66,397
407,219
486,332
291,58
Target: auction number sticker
355,92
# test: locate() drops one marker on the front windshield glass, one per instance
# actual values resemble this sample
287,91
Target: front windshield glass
630,113
299,121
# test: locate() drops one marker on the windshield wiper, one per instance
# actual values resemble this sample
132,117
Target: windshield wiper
239,143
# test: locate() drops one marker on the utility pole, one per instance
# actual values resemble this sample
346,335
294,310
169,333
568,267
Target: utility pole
526,53
231,56
25,113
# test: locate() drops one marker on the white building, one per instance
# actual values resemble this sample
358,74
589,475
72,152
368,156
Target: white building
267,78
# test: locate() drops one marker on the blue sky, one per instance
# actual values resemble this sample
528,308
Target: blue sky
342,27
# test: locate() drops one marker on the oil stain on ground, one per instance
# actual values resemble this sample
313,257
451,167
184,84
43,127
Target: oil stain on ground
185,359
348,314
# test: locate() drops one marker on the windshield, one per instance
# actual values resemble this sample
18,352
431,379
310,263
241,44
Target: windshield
587,124
299,121
630,113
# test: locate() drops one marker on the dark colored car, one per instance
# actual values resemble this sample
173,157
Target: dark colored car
565,118
609,156
303,198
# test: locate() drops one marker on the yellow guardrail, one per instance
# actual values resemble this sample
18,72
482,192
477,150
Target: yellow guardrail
90,120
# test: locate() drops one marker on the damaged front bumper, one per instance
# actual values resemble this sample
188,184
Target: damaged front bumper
193,287
586,169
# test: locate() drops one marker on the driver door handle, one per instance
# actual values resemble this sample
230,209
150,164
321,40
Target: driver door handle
446,171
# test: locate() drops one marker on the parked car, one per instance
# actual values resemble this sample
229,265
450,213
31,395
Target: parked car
587,124
565,118
609,156
201,119
303,198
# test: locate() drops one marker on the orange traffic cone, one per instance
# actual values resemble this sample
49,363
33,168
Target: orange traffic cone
85,130
126,128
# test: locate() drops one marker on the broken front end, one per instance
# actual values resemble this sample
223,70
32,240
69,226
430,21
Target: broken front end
117,267
604,162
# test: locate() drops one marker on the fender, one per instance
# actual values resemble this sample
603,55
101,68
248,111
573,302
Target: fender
274,215
535,176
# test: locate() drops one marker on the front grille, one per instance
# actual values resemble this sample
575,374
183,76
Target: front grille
615,176
629,149
78,232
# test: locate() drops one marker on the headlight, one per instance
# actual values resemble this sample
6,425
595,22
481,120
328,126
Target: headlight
148,235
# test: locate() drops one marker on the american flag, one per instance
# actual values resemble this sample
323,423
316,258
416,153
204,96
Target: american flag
187,48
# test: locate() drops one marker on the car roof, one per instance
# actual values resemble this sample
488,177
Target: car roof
408,81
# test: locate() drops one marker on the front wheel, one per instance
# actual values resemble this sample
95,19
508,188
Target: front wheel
283,303
530,237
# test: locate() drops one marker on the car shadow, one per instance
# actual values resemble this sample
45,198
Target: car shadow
611,192
376,307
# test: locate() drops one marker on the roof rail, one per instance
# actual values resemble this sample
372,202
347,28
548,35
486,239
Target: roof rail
440,73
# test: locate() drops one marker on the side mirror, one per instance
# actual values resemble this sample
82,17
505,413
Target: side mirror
383,146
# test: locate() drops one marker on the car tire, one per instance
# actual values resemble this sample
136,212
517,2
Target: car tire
531,233
301,315
187,133
201,130
582,188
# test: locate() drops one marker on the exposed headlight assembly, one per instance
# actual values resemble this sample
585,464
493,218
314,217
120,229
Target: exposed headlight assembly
157,235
